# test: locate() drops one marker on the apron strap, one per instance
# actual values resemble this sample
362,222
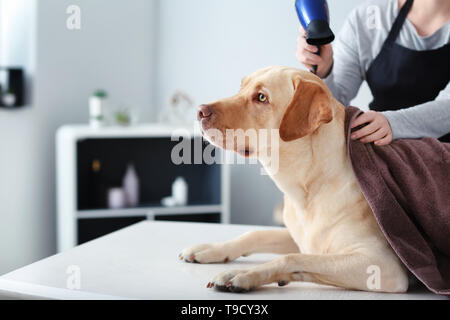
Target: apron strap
398,24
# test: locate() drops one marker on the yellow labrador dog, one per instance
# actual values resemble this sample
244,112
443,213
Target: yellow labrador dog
331,237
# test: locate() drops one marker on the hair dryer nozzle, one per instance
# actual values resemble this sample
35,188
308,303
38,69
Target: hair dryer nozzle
319,33
315,19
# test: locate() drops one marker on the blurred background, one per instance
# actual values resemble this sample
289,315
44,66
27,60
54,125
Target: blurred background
144,55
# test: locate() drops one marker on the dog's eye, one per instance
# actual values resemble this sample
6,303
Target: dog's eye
262,98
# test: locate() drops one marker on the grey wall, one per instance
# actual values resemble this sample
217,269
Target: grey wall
113,50
205,47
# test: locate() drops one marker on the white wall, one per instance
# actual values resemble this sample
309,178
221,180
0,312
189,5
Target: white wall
205,47
18,168
201,46
113,50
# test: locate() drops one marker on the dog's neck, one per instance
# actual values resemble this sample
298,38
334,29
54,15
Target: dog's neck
306,164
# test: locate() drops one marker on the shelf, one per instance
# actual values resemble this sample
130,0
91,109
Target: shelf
153,164
83,217
83,131
150,211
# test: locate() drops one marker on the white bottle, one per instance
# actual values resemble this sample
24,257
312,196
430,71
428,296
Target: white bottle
131,186
97,112
180,191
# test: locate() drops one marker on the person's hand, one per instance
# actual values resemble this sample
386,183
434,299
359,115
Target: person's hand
378,129
306,54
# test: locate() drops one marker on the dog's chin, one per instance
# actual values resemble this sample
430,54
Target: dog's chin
204,127
243,151
212,141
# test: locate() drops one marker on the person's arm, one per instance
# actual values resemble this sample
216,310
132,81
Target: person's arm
345,77
431,119
347,74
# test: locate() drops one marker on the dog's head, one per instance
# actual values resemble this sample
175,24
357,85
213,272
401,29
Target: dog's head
293,102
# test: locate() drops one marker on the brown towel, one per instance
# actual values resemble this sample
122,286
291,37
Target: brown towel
407,185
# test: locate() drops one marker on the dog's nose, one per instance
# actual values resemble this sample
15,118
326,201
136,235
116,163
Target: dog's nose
204,111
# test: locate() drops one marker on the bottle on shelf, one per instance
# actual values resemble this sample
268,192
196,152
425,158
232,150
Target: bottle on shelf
180,191
131,186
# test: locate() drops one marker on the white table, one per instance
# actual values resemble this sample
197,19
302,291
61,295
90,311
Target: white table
140,262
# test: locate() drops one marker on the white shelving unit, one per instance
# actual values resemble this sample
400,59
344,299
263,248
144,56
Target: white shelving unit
68,213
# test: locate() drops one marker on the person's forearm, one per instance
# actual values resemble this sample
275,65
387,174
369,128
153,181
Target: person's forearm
431,119
346,76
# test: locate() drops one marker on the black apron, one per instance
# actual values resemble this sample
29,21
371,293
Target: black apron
401,78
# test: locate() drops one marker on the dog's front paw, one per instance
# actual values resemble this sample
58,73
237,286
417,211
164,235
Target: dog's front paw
207,253
237,281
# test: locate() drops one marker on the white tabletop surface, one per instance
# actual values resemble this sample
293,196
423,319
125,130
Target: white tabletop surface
140,262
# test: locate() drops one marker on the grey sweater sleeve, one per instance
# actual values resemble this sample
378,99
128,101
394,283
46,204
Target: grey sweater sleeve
355,49
347,75
431,119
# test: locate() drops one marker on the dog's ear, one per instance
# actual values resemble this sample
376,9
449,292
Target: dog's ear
308,110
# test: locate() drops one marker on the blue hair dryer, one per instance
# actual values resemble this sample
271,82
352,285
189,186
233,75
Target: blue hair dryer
315,19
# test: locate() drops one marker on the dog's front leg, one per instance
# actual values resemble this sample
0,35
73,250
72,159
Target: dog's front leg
346,270
266,241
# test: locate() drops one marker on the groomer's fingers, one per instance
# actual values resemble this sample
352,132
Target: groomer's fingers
366,117
307,57
385,141
302,44
380,134
366,131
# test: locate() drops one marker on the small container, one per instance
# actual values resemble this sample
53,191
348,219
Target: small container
180,191
168,202
97,109
116,198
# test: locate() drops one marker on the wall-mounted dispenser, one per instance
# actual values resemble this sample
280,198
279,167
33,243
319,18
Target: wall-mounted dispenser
12,91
